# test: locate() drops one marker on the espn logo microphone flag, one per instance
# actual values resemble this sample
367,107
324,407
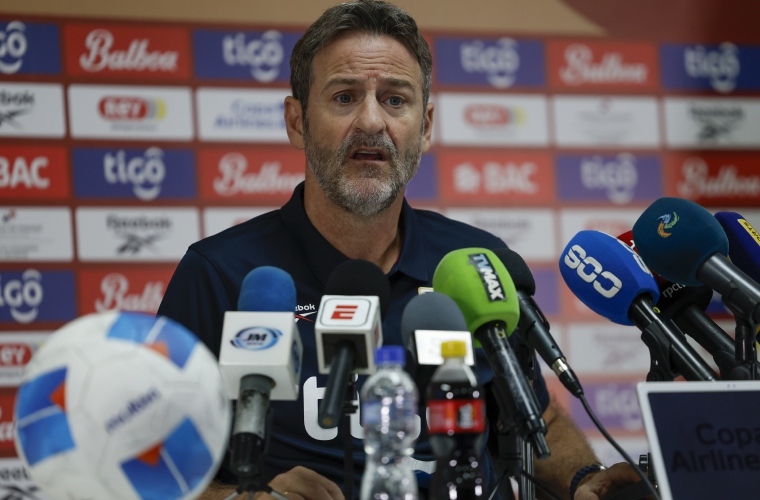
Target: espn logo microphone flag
353,318
605,274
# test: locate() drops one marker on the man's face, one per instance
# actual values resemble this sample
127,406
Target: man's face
364,131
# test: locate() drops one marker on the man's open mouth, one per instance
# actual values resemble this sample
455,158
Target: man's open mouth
368,155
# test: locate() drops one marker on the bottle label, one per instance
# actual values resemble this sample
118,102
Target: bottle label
372,412
456,415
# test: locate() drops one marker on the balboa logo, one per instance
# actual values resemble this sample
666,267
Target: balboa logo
123,108
13,45
499,62
23,296
235,178
116,296
136,58
488,116
618,177
581,68
256,338
667,222
144,173
488,276
721,67
264,56
727,182
496,178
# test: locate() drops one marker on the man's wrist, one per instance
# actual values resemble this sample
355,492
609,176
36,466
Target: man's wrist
583,474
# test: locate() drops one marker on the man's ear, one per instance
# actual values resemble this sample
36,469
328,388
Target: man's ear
294,121
428,128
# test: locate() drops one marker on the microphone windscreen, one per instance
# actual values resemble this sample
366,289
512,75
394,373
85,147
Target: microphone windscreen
518,270
430,311
267,289
480,285
674,297
605,274
675,236
360,277
743,243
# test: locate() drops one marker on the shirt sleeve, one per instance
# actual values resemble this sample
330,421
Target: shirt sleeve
197,298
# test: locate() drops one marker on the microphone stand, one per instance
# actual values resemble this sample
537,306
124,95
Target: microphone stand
526,359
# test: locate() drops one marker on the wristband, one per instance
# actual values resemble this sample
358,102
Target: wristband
578,477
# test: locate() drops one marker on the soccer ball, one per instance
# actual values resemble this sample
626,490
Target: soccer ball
122,406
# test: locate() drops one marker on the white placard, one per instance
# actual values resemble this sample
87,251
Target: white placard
242,115
35,234
32,110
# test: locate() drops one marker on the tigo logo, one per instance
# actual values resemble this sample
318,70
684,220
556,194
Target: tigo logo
131,108
28,48
667,222
249,55
344,312
720,66
31,295
723,68
256,338
41,406
23,296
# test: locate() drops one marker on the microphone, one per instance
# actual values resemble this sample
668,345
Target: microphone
613,281
348,329
686,306
532,325
482,288
260,360
685,244
743,243
429,320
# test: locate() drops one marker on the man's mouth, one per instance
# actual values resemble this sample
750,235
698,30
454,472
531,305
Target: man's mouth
368,155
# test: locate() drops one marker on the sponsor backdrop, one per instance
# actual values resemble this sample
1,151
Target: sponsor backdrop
122,142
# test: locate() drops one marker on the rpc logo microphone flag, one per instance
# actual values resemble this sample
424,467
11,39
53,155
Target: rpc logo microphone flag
605,274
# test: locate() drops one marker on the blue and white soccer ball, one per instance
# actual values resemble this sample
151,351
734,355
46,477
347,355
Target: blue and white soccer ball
122,406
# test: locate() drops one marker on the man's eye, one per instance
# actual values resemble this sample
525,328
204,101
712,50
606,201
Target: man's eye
344,98
395,101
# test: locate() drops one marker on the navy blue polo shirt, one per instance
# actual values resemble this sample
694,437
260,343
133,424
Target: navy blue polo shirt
207,283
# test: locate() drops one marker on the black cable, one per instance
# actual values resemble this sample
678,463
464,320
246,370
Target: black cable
498,482
540,485
617,446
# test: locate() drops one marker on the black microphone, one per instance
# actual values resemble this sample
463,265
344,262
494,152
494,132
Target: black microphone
348,329
429,319
533,326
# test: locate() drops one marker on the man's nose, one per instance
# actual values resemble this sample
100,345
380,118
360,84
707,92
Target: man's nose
370,119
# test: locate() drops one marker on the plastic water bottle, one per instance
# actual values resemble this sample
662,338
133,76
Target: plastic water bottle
456,419
389,405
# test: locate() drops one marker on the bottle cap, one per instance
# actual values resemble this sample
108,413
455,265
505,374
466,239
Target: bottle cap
453,349
390,355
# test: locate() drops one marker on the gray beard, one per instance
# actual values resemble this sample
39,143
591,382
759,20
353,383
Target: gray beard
374,190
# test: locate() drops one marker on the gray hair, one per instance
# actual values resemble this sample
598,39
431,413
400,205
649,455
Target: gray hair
364,16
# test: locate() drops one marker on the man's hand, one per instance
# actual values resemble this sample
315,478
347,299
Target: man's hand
299,483
595,486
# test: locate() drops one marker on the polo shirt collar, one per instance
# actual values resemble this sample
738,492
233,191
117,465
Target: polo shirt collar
323,258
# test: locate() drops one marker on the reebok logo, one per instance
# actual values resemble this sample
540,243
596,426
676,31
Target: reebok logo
303,311
346,312
488,276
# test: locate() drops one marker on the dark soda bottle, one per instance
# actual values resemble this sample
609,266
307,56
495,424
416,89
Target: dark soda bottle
456,419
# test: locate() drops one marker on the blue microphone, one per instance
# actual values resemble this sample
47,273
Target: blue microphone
613,281
743,243
684,243
267,289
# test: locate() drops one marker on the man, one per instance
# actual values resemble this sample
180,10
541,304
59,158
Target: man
361,81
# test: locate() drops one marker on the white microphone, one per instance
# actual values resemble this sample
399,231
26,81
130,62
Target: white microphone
260,360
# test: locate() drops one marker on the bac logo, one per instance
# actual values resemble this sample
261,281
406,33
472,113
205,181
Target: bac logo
29,48
144,174
164,336
33,172
576,259
345,312
170,470
43,428
256,338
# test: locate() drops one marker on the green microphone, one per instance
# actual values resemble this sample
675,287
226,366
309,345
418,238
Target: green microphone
480,285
